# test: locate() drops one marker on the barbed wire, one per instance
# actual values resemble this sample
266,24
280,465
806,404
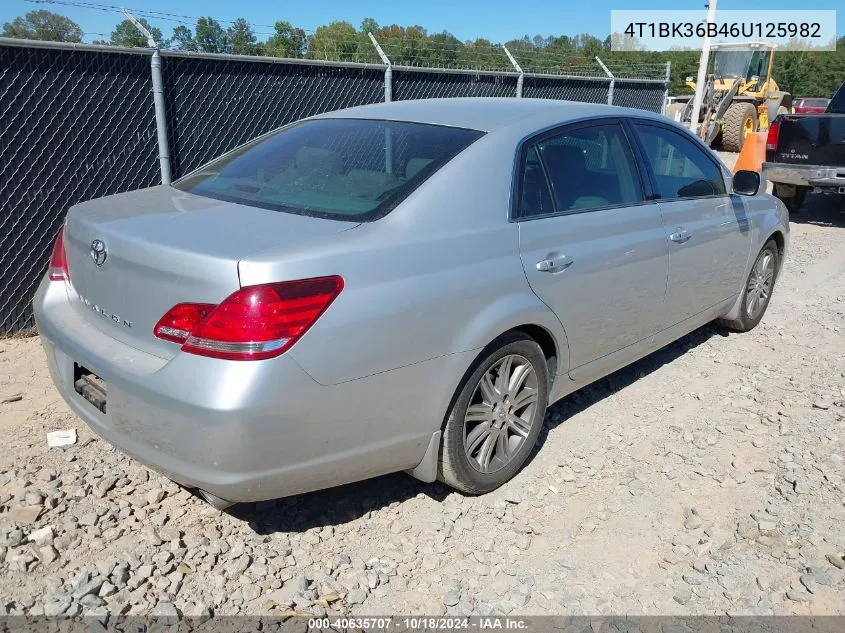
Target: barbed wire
402,49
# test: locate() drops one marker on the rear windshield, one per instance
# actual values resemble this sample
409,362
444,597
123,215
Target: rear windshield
837,104
814,103
344,169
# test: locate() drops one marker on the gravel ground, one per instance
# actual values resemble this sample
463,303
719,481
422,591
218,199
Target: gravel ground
704,479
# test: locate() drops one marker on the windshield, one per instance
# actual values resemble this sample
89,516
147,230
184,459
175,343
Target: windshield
344,169
731,63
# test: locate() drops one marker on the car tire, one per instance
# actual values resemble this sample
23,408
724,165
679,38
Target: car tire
762,277
793,199
739,114
490,423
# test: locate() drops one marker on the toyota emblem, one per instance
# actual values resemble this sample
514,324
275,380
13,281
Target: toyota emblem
98,252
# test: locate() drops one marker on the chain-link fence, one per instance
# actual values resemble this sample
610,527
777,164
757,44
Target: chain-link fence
78,122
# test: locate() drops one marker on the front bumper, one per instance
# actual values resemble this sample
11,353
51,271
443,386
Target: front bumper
806,175
243,431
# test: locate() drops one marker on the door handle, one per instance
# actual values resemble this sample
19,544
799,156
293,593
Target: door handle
681,236
554,263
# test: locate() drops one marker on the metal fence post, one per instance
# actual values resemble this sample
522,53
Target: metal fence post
388,97
158,100
666,92
388,71
612,84
518,68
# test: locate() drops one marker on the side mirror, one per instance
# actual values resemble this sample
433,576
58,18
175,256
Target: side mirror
746,183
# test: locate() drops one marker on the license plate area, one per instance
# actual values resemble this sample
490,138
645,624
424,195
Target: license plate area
90,386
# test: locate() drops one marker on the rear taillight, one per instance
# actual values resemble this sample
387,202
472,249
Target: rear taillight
181,320
254,323
58,259
772,138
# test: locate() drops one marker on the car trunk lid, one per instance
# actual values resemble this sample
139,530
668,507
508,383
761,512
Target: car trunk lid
163,247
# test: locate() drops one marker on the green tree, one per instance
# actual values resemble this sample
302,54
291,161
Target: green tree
127,34
43,25
241,38
183,39
369,25
405,46
448,48
210,36
287,41
339,41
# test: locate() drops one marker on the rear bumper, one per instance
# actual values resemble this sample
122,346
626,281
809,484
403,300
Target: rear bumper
243,431
805,175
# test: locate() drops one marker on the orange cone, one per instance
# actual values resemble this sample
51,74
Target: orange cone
753,153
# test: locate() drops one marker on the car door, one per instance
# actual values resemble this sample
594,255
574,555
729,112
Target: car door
706,228
593,250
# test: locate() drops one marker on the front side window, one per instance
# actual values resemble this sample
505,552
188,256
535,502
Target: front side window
587,168
344,169
681,168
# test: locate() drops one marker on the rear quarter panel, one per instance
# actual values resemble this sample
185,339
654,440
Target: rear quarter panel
437,276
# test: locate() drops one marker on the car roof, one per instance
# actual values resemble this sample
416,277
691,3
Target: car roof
486,114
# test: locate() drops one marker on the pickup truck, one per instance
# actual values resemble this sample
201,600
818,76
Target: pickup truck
807,152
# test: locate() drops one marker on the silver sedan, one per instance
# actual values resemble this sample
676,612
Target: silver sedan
403,286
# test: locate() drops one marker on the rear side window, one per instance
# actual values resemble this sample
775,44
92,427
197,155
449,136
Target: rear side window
815,103
345,169
681,168
587,168
837,104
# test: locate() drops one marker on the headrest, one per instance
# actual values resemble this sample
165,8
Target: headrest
565,159
324,161
415,165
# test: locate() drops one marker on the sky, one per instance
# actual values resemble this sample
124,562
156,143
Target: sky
496,20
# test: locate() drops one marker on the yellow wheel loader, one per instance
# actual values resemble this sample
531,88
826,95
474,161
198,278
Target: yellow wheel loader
740,96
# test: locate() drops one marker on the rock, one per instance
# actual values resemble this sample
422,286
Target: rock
92,586
821,576
155,496
251,592
519,598
451,598
57,607
692,520
357,596
197,611
692,579
567,474
238,566
802,486
165,610
798,595
809,582
567,562
42,536
682,595
33,499
23,514
91,602
512,496
837,560
47,554
822,404
107,590
88,519
282,597
523,541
